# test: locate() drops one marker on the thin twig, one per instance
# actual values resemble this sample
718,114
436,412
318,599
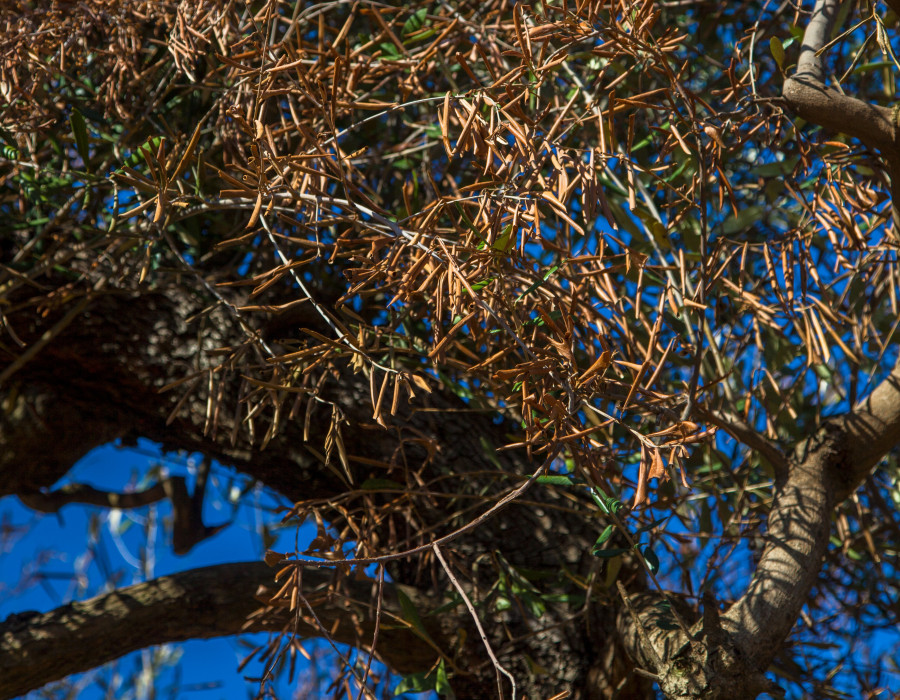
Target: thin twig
378,600
487,515
498,668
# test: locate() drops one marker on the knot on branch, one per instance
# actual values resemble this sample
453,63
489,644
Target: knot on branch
712,672
707,664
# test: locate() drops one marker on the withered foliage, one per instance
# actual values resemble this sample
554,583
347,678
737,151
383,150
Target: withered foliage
570,214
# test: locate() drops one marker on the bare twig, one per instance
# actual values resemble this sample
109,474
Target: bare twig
487,645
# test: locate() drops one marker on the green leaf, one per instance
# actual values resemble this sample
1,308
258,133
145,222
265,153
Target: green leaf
415,22
875,65
678,171
541,281
613,567
389,50
782,167
613,505
745,218
422,682
380,485
411,615
505,241
651,559
777,49
608,553
489,452
79,130
478,286
556,480
421,36
656,228
442,683
415,683
647,528
151,144
605,535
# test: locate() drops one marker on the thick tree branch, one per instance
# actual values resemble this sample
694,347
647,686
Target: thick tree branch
810,98
728,654
823,471
52,501
810,65
872,429
797,534
822,105
828,466
214,601
75,395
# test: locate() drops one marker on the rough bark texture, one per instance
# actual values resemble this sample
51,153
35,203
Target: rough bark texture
78,393
93,370
99,379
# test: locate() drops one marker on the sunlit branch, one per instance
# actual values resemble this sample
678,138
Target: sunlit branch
809,97
823,471
37,648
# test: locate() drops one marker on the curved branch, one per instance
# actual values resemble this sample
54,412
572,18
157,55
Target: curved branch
810,64
75,395
810,98
798,529
824,470
727,655
826,107
872,429
188,527
831,464
37,648
52,501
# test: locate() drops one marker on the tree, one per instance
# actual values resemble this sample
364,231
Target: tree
573,321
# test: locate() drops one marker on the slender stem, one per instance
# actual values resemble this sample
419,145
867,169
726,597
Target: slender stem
471,608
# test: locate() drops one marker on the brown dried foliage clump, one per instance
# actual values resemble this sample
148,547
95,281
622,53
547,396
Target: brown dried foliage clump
520,204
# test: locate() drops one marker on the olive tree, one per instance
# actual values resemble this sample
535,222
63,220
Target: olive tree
571,326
